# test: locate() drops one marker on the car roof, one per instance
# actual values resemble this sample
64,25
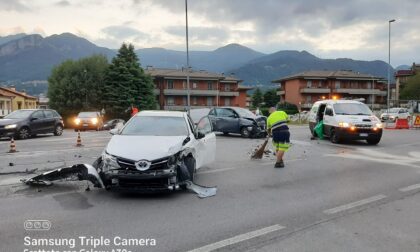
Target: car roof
338,101
161,113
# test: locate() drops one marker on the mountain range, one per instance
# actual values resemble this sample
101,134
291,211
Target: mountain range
31,57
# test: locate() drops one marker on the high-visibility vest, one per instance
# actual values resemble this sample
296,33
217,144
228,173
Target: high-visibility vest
277,119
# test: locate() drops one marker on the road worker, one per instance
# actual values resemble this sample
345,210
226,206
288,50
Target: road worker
278,129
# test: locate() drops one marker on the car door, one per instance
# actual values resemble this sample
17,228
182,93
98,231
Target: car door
206,143
49,121
328,119
227,121
213,119
37,122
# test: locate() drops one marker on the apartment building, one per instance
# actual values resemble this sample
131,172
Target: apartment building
5,103
305,88
206,89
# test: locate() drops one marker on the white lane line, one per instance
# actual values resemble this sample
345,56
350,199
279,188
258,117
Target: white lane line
218,170
409,188
354,204
238,238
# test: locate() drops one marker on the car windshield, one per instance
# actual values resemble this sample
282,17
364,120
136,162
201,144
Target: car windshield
244,113
87,114
156,126
351,109
19,114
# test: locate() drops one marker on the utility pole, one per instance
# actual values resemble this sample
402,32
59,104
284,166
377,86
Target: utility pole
389,65
188,57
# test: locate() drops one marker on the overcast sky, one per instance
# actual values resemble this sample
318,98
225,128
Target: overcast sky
355,29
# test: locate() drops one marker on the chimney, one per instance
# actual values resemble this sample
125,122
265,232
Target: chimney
12,88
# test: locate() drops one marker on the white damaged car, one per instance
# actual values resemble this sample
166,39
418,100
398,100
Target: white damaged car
155,151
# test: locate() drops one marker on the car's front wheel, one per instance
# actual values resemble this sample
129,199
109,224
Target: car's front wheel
245,133
23,133
373,141
334,138
190,163
58,131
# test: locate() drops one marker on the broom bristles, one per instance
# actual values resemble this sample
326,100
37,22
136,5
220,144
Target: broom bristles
258,154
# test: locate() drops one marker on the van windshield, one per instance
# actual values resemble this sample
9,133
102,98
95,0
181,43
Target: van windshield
351,109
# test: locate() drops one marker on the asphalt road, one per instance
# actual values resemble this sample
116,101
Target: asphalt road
347,197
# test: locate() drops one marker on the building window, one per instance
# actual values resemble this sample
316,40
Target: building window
309,84
170,84
227,87
184,101
194,100
320,84
337,84
227,101
184,84
170,101
308,99
209,101
194,85
210,85
369,85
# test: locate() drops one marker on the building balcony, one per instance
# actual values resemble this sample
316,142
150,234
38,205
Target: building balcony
156,91
195,92
228,93
315,90
361,91
281,92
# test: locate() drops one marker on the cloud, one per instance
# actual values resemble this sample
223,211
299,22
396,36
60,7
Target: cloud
122,32
199,33
63,3
13,5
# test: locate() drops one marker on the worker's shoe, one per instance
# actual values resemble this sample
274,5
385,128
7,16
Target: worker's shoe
279,164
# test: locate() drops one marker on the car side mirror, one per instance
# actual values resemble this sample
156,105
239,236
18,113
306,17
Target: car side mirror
200,135
114,131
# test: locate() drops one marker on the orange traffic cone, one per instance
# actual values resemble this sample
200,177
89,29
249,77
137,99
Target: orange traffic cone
79,140
12,146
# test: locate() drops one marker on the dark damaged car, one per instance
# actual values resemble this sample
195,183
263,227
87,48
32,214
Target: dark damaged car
239,121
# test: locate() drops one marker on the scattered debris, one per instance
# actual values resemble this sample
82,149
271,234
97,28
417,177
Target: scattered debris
19,172
201,191
73,173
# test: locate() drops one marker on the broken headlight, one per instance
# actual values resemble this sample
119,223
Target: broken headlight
174,160
109,162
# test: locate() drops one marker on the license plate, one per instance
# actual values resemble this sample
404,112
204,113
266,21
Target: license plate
85,125
363,134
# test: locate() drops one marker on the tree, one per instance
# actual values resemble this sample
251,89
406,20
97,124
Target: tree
127,85
271,99
411,90
74,86
257,98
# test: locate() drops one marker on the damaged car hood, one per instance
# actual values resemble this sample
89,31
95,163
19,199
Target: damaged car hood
144,147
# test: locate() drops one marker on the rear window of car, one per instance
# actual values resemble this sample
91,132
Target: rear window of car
48,114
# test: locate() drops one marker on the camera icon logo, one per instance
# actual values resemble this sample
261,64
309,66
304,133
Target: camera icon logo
37,225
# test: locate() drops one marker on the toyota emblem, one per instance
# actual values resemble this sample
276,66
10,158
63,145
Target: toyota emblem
142,165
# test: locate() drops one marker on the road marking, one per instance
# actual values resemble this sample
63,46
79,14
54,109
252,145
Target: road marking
238,238
218,170
354,204
409,188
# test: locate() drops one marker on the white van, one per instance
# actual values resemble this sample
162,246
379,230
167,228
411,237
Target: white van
346,120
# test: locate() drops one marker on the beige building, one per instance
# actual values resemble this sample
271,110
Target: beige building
20,100
5,103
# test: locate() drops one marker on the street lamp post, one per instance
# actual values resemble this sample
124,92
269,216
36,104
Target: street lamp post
389,64
188,56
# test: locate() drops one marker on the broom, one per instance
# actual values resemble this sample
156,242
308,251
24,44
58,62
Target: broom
259,152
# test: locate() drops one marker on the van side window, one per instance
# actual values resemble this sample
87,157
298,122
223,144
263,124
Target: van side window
329,111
